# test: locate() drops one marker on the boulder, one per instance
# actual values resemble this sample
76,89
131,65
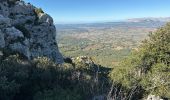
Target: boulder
153,97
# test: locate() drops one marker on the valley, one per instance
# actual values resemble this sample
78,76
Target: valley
106,43
115,60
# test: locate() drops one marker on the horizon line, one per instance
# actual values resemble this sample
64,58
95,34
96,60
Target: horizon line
105,21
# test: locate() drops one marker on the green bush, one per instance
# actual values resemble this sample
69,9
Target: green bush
42,79
58,94
148,68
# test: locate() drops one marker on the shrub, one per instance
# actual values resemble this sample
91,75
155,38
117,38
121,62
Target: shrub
148,68
42,79
38,11
58,94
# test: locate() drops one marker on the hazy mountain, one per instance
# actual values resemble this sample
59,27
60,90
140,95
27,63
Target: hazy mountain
150,19
135,22
94,39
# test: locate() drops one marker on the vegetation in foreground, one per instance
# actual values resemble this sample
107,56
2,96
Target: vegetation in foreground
146,71
41,79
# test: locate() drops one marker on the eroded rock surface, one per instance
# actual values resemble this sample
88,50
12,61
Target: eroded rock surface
27,30
154,97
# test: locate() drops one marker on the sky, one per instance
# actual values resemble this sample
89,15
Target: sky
85,11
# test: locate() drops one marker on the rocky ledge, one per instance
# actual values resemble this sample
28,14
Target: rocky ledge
27,30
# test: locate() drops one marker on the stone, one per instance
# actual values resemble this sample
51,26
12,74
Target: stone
2,41
13,33
4,8
20,8
45,18
4,21
153,97
26,32
100,97
21,49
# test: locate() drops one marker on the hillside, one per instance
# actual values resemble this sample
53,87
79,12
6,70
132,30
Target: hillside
145,72
31,66
106,43
103,61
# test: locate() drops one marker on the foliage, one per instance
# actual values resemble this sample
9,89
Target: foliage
146,71
149,67
58,94
38,11
8,89
42,79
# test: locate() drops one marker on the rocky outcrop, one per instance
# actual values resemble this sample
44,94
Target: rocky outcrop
154,97
27,30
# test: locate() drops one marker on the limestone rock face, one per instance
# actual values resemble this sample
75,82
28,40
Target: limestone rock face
13,34
2,41
45,18
4,21
28,31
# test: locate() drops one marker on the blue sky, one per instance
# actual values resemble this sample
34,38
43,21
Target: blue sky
79,11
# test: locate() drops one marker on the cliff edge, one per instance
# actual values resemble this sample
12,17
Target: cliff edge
27,30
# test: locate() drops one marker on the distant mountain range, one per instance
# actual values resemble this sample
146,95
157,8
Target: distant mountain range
150,19
135,22
105,40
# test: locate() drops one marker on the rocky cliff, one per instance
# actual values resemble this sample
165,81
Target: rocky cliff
27,30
